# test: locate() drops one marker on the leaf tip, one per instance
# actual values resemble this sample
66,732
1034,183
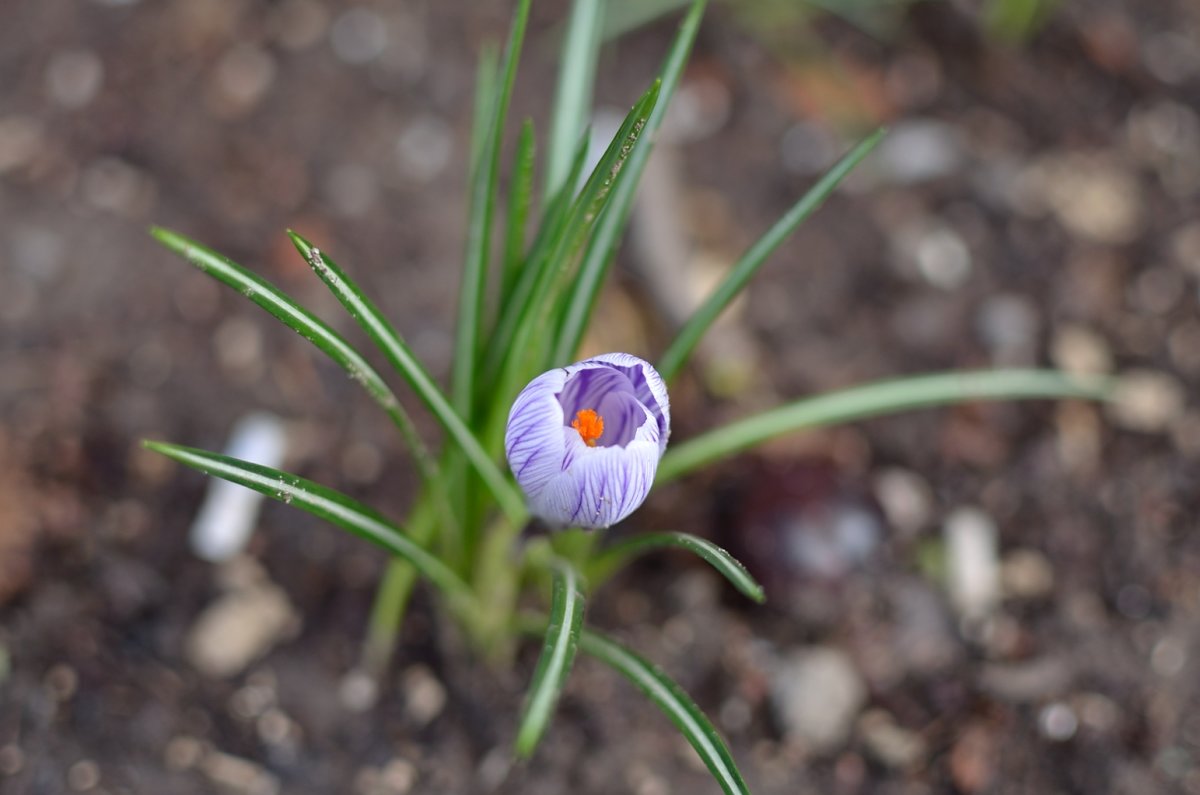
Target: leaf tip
302,245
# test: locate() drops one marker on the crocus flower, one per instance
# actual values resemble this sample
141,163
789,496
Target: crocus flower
584,440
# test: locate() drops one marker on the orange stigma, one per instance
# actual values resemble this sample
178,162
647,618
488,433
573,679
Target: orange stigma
590,426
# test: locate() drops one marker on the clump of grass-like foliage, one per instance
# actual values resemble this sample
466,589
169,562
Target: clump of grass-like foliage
520,313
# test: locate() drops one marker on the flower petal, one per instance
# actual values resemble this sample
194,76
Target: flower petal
533,440
648,387
601,485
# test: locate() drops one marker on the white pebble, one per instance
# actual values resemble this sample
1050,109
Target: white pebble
972,565
229,512
1058,722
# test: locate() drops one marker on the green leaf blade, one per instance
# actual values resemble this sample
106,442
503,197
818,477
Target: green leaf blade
479,225
557,657
287,311
726,565
520,196
739,275
322,502
402,358
573,96
602,245
875,399
675,703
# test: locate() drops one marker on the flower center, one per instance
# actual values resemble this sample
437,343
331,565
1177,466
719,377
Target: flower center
590,426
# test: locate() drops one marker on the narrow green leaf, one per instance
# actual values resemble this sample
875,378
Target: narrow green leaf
600,249
745,268
324,503
520,194
573,98
530,338
675,703
292,315
479,226
883,397
617,556
384,335
485,100
387,339
558,654
554,218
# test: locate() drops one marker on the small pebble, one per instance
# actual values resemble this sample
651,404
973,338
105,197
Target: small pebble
699,109
1147,401
1097,712
1079,350
83,776
1057,722
358,691
972,566
817,693
424,694
1092,195
1026,574
973,759
74,77
238,628
906,499
920,150
242,776
358,36
229,513
1168,657
891,744
242,77
943,258
1171,56
183,753
808,148
116,186
1009,325
1156,291
424,148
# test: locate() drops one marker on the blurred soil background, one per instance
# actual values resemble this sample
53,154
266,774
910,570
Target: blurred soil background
993,598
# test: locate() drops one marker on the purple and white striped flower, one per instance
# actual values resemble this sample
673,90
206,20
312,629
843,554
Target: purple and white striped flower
584,440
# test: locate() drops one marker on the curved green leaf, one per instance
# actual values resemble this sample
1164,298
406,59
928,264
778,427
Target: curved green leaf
745,268
558,654
402,358
675,703
870,400
608,561
531,339
290,313
600,248
573,98
520,196
479,223
323,502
